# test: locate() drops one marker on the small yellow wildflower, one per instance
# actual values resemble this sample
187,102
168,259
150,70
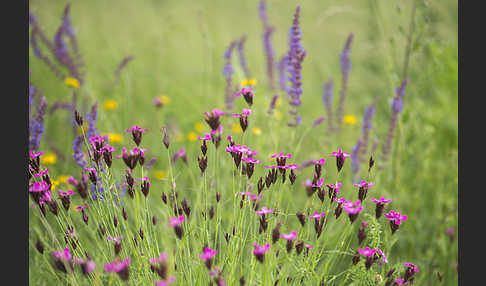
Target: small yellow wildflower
54,183
72,82
256,131
164,99
199,127
115,138
278,102
48,159
277,114
63,179
349,119
160,175
179,137
110,105
236,128
251,81
192,136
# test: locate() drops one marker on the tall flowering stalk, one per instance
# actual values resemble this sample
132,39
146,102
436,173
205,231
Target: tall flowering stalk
296,55
345,69
228,71
396,108
267,44
241,56
92,117
327,100
37,124
369,113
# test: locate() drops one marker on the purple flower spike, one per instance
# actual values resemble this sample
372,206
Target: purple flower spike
327,100
296,56
345,69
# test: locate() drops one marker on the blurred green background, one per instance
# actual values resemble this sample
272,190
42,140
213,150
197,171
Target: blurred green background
178,51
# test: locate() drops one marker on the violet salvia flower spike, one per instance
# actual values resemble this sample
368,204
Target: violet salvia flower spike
369,113
327,100
267,43
37,128
91,118
241,56
345,69
228,71
396,108
296,56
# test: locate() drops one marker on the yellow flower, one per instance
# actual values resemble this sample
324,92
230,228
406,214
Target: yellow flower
278,102
160,175
55,183
199,127
70,81
115,138
256,131
251,81
110,105
277,114
63,178
164,99
48,159
349,119
191,136
179,137
236,128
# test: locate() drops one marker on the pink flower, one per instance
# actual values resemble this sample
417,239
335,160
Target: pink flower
38,187
317,215
308,246
321,161
117,265
68,193
243,91
367,252
396,217
64,255
160,259
206,137
244,193
340,153
175,221
208,253
260,249
116,239
400,281
169,280
411,266
264,211
135,128
41,173
382,200
291,167
282,155
382,255
353,208
364,184
290,236
80,208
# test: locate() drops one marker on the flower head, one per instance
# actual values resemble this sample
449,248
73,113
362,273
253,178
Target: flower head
317,215
290,236
396,217
175,221
264,211
382,200
367,252
353,208
260,249
208,253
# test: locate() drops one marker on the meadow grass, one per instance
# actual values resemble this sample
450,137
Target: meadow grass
178,51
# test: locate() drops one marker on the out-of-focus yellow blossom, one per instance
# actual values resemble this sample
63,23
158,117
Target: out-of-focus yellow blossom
278,102
349,119
160,175
192,136
72,82
63,179
277,114
48,159
164,99
236,128
115,138
110,105
251,81
199,127
256,131
179,137
54,184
